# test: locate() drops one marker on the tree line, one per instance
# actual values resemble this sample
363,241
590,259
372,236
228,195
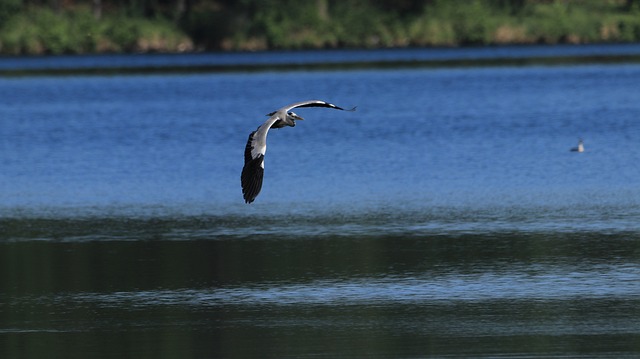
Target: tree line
86,26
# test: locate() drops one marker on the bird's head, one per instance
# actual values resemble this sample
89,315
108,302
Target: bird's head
289,119
293,117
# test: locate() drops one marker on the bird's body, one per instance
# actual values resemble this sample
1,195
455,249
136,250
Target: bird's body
580,147
253,170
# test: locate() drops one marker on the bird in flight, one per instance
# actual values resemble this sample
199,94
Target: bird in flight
253,170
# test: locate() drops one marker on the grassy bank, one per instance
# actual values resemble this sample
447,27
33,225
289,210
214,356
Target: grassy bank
289,24
43,31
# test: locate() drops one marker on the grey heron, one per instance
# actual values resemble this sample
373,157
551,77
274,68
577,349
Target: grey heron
253,170
580,147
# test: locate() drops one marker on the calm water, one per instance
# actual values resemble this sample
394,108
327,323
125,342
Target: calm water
445,217
318,59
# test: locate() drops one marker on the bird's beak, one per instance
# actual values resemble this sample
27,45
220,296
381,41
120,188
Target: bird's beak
297,118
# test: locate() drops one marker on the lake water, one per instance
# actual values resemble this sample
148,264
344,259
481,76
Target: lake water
445,217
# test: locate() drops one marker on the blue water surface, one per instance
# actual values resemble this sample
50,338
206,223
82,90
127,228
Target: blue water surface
420,138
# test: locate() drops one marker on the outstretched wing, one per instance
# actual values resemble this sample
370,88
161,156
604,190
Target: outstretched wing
254,151
316,103
310,103
253,170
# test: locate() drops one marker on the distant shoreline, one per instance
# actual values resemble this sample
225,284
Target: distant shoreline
317,60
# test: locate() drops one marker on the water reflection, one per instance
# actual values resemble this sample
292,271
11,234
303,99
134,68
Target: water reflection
506,294
407,219
533,283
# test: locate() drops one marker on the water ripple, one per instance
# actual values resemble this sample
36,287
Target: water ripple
620,281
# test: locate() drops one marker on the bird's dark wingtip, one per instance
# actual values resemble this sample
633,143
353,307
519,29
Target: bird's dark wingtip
340,108
251,179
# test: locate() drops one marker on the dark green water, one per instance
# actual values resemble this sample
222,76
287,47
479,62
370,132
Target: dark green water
171,288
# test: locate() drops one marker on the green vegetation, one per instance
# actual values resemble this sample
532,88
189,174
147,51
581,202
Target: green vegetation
39,30
88,26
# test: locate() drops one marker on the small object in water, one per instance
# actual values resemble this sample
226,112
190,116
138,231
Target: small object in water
253,170
580,147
